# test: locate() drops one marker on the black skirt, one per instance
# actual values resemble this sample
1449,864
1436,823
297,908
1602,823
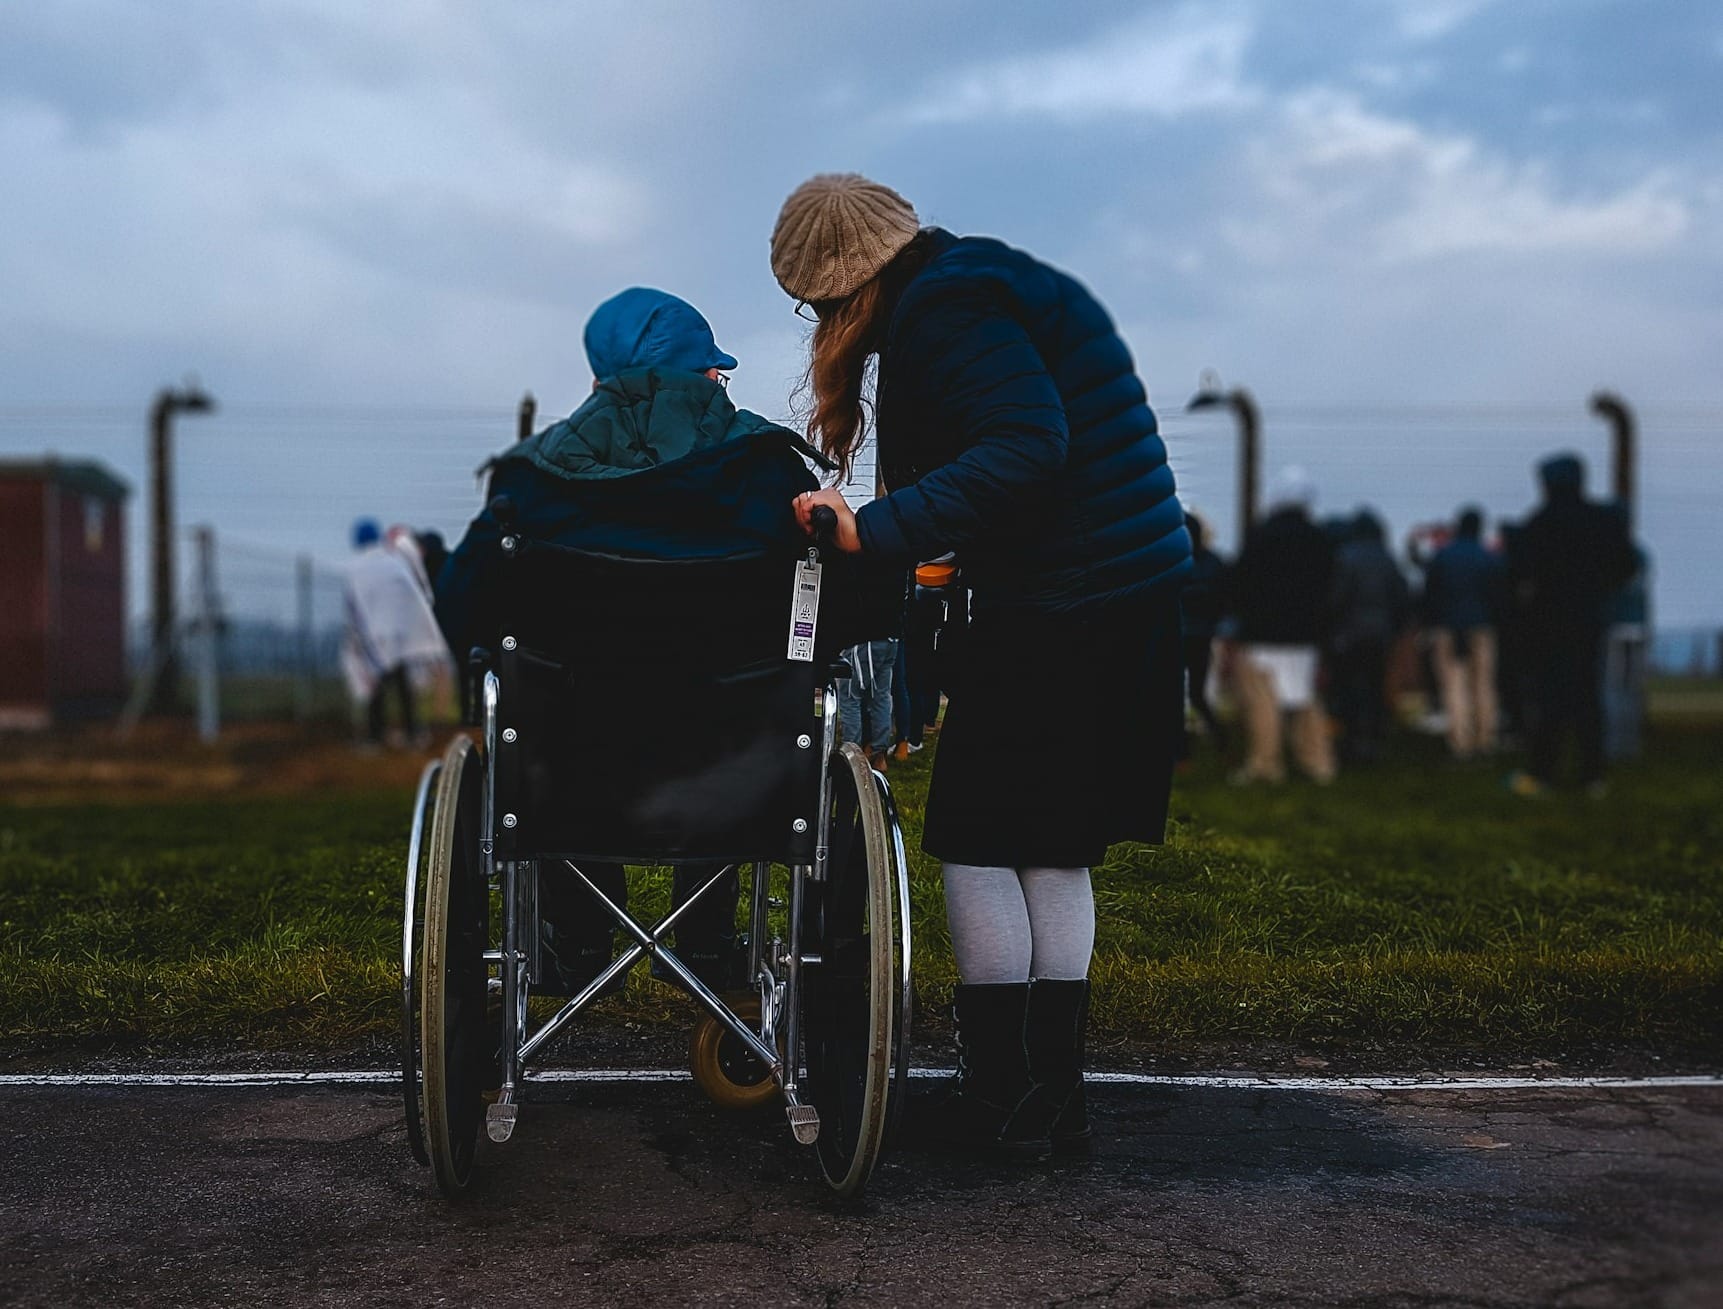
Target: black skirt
1060,737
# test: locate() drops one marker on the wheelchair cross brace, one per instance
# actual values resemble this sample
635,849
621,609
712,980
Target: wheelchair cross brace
500,1116
651,941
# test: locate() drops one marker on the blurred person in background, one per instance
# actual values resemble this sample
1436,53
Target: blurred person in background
1200,605
391,633
431,678
1513,675
1012,428
905,721
1422,543
865,698
1369,603
1566,566
1462,604
1277,598
434,551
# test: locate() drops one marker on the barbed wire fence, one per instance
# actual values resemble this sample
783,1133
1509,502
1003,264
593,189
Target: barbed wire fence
272,480
259,638
281,620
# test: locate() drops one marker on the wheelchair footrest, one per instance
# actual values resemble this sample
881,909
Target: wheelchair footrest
804,1122
500,1121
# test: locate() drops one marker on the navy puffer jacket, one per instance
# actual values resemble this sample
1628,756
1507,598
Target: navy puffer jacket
1013,428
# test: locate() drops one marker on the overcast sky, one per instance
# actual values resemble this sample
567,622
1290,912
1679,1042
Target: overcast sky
1360,209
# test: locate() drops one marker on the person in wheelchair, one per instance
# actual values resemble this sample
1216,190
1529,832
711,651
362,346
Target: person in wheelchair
657,463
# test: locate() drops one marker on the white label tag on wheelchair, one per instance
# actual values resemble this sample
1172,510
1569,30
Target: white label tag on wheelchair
804,611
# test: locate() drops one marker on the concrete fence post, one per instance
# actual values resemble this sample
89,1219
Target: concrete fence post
208,639
305,656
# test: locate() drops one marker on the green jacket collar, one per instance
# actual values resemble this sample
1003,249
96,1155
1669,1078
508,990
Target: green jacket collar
640,420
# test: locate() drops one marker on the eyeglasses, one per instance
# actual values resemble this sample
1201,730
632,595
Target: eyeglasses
724,380
817,311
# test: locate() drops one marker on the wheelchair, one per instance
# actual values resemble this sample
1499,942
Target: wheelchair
646,712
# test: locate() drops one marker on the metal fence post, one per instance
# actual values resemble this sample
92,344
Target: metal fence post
1249,419
305,662
1630,631
208,650
164,664
1623,450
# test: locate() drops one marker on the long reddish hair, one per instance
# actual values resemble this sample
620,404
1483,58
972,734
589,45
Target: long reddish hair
849,336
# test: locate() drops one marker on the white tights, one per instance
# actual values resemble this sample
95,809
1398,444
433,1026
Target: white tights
1008,925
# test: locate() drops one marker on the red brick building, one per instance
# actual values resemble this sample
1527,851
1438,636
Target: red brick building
62,592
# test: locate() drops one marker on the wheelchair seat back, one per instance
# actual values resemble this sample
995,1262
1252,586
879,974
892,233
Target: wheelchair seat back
655,714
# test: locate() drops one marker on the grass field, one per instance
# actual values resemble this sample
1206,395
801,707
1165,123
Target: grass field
1417,909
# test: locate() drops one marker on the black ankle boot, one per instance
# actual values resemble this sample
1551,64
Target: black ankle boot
1057,1020
993,1104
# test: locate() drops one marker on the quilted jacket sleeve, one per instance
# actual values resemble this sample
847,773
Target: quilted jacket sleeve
971,368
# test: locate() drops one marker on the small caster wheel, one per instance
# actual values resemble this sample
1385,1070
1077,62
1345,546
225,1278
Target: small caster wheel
723,1067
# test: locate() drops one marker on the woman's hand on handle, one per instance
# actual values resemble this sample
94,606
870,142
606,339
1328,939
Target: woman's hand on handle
847,539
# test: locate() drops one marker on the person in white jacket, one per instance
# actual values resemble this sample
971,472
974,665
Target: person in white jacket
391,632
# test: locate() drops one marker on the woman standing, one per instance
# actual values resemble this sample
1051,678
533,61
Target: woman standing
1013,429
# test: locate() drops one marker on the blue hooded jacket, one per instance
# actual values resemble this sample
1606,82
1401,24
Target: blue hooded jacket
657,464
1014,429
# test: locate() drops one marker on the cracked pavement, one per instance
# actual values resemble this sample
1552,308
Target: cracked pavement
623,1193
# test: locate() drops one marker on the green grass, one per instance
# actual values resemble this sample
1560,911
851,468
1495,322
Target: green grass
1414,908
1690,699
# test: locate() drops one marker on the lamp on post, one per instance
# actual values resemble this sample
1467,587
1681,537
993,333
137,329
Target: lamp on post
188,399
1243,405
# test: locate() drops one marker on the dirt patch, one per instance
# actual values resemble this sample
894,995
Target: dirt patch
166,761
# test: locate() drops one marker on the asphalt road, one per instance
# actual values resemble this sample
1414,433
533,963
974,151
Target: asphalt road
628,1193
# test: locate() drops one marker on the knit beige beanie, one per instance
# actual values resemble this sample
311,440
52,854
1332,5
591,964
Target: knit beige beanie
835,232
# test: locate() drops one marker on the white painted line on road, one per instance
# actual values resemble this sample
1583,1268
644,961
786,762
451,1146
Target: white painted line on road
356,1078
1422,1083
1244,1082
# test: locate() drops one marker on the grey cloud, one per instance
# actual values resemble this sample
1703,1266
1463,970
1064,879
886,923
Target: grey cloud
100,64
433,236
1164,63
419,203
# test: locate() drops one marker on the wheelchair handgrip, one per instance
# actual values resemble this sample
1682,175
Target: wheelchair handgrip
824,521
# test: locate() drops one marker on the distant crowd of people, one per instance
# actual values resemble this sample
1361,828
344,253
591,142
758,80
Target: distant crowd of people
1317,626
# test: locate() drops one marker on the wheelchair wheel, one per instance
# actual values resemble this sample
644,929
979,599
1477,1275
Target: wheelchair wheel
412,1065
854,1001
731,1077
458,1033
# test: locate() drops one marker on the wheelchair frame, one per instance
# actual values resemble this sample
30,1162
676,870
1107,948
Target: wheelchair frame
777,969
